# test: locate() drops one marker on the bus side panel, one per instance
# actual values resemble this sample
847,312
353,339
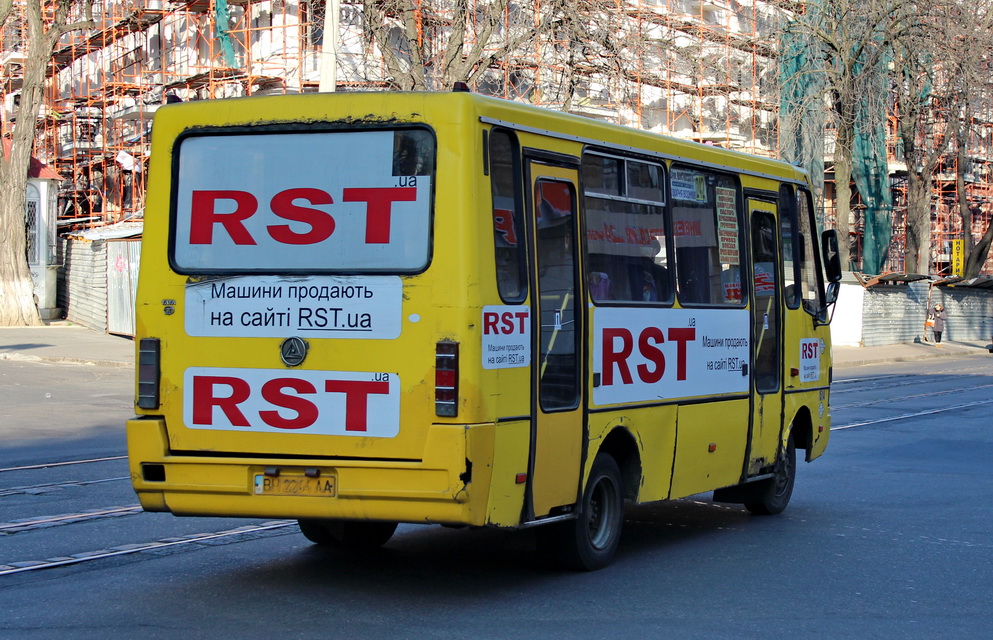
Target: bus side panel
721,426
509,456
807,364
803,409
654,431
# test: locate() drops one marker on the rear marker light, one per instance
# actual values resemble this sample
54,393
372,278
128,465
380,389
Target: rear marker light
149,373
446,379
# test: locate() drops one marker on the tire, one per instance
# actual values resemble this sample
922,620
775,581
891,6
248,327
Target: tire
590,541
772,495
347,534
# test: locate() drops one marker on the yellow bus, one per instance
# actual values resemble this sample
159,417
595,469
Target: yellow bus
361,309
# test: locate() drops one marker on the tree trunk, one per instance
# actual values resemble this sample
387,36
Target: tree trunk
17,303
977,257
918,255
843,193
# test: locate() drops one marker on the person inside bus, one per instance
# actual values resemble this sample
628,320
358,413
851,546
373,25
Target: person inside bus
599,285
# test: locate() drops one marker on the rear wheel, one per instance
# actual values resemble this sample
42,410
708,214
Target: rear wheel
772,495
349,534
590,541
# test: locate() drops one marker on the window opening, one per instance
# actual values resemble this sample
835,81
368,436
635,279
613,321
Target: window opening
626,238
706,232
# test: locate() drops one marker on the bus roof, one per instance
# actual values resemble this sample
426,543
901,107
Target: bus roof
402,106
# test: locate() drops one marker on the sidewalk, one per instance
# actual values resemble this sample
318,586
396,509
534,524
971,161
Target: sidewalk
73,344
845,357
63,342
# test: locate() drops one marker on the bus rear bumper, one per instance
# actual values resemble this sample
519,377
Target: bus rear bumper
450,485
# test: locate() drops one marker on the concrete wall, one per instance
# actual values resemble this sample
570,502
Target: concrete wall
893,314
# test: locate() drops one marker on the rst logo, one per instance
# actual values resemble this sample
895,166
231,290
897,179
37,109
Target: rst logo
506,336
648,355
278,401
226,211
810,360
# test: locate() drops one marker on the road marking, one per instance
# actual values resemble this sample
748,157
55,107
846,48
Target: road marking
48,465
47,521
20,567
44,488
927,412
910,397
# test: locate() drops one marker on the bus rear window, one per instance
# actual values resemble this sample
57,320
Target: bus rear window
303,202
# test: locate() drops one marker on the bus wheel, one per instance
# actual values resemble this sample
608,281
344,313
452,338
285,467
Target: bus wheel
772,496
589,542
349,534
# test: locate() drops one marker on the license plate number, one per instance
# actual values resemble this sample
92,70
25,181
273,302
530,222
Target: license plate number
295,486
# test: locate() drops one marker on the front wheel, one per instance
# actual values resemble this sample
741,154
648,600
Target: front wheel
590,541
772,496
350,534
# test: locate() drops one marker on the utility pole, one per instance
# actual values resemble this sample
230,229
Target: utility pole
329,50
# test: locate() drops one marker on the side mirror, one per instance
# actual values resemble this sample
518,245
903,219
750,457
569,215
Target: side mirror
826,313
831,294
832,258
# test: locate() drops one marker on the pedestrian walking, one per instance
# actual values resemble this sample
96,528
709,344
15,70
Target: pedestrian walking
937,321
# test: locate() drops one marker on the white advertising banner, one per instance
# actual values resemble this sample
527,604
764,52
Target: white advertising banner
345,403
810,360
298,201
648,355
357,307
506,336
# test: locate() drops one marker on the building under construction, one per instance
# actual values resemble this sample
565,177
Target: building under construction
704,70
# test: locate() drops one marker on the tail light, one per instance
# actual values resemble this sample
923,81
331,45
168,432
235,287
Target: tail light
446,379
149,372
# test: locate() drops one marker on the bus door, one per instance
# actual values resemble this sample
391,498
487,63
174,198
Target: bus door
557,397
766,337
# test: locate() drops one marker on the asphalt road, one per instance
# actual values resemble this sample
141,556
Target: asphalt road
889,535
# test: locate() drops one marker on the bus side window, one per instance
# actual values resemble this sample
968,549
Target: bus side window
706,231
791,248
811,285
626,239
508,233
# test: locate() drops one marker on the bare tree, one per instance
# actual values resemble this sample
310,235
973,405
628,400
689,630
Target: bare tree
430,45
967,45
45,22
854,37
921,107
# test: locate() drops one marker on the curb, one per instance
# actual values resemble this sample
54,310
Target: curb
115,364
911,358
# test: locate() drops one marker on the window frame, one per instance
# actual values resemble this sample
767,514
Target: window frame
268,130
624,187
517,178
788,210
816,309
742,239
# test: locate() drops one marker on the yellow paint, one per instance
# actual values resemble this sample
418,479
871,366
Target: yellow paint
423,473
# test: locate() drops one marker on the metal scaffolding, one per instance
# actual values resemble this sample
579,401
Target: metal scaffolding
704,70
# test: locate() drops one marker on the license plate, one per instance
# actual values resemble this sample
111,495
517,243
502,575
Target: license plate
295,486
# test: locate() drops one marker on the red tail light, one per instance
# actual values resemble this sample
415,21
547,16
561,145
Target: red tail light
446,379
148,373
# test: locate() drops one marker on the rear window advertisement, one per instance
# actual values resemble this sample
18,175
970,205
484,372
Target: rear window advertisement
315,202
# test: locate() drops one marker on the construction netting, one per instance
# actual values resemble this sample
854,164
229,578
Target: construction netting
801,111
